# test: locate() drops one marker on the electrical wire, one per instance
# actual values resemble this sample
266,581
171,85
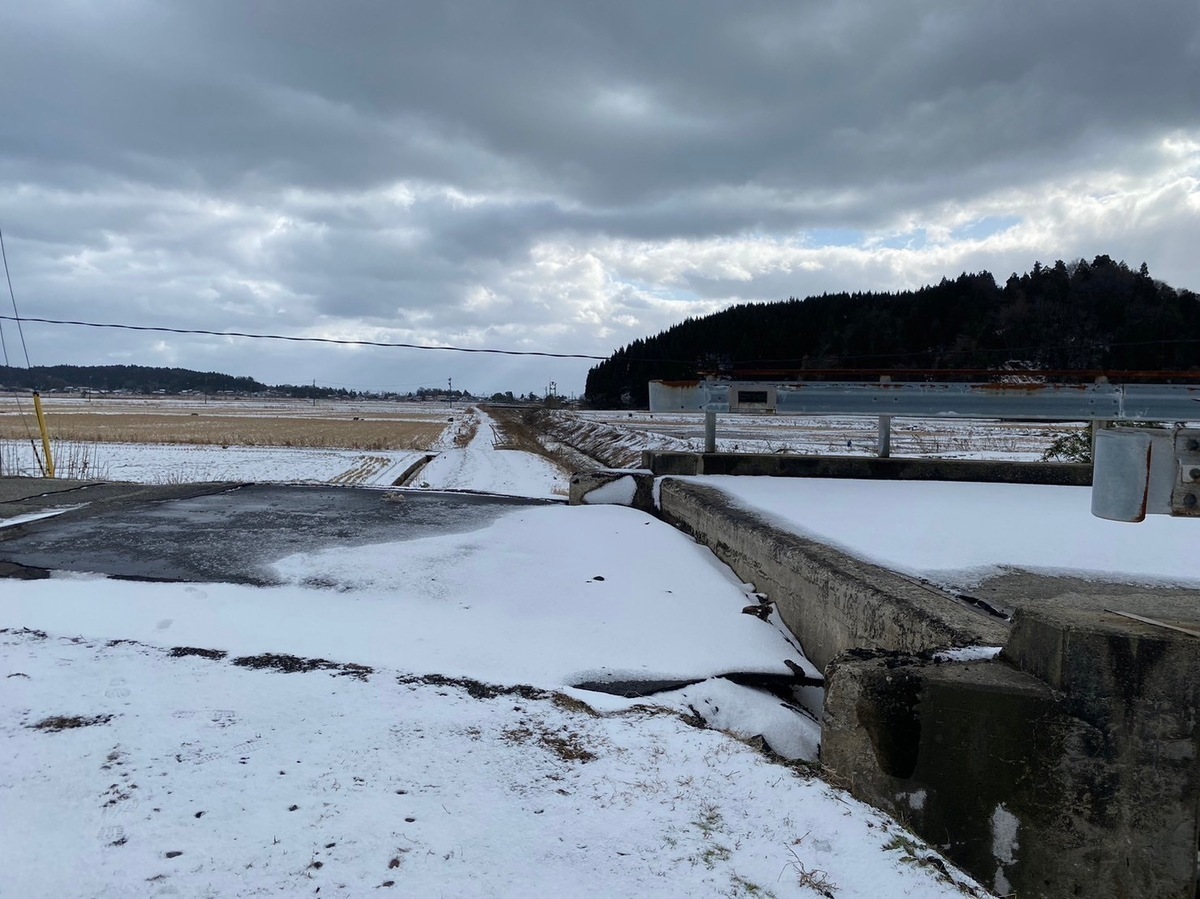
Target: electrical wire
16,316
327,340
13,297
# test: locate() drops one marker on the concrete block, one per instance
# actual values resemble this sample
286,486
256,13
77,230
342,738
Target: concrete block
1136,686
1079,781
614,486
664,463
958,752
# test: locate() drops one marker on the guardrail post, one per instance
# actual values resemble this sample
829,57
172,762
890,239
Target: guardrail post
884,447
885,436
710,432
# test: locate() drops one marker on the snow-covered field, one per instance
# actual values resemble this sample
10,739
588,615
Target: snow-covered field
186,463
845,435
253,407
436,745
473,467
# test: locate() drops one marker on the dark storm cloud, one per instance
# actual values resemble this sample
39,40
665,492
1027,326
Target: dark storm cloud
613,104
453,168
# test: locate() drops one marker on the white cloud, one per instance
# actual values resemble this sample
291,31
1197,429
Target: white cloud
567,177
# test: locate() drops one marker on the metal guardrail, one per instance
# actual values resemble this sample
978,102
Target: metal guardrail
1136,471
1030,402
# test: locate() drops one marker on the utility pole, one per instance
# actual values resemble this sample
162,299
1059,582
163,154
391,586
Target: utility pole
314,391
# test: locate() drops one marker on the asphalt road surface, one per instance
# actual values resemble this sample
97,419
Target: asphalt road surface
217,532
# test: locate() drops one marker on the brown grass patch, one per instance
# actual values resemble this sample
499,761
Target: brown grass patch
567,745
520,429
234,430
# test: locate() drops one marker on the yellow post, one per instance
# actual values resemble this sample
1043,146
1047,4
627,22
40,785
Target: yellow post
41,417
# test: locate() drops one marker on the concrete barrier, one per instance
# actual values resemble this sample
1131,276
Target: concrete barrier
831,601
1069,766
1069,474
1066,768
614,487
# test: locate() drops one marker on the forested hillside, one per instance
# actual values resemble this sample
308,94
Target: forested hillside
135,378
1097,315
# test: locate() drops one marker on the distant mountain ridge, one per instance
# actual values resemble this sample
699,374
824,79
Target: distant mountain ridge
1097,315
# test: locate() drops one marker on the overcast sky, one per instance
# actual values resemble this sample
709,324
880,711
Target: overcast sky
563,176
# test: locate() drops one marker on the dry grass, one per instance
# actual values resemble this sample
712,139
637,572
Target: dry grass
234,430
467,429
524,429
71,460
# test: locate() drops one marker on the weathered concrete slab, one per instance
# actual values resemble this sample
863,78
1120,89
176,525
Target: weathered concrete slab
614,486
959,752
1069,767
1017,587
831,602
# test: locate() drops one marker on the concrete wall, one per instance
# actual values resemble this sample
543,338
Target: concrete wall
868,467
832,602
615,487
1068,767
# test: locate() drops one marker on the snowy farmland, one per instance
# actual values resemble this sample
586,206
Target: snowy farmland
841,435
461,437
169,440
406,716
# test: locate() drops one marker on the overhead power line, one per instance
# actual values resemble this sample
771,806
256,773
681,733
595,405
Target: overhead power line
295,339
16,316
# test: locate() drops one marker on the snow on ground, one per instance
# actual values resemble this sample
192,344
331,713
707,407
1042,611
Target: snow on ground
188,463
480,466
830,434
135,770
476,466
959,533
580,594
196,777
444,749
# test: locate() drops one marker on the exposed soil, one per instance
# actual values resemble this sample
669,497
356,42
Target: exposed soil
564,744
295,664
56,723
475,689
179,652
